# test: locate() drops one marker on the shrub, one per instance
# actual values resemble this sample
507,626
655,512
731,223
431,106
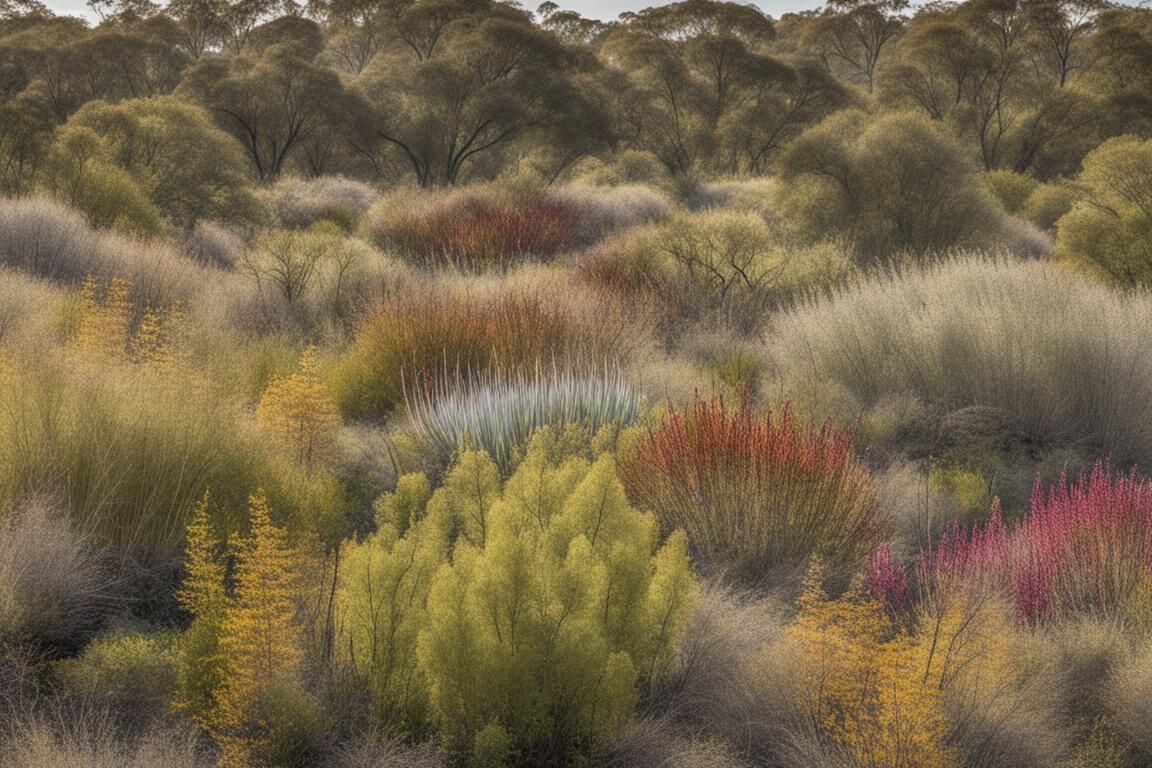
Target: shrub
417,339
1010,189
600,211
214,245
50,241
55,589
1083,549
132,675
1072,371
718,266
1048,203
498,414
93,741
300,203
554,605
755,495
471,231
128,452
1107,231
890,184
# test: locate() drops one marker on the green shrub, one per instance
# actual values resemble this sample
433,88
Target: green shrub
1011,190
1106,232
134,674
533,610
892,183
1048,203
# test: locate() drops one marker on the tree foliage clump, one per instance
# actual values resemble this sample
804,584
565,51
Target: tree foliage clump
525,615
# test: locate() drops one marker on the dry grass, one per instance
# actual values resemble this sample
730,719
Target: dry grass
1063,360
55,588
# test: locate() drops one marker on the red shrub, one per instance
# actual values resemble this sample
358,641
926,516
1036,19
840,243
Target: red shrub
755,494
1083,548
477,234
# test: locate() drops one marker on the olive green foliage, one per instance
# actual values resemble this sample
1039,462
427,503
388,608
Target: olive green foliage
521,618
188,168
893,183
1107,232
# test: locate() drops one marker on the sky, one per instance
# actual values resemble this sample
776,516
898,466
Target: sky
606,10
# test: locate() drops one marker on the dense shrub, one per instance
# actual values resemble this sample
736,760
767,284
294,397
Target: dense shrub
132,675
718,266
1083,549
532,637
1072,370
892,183
1107,230
602,210
300,203
49,240
755,494
92,740
498,414
55,586
471,231
214,245
129,451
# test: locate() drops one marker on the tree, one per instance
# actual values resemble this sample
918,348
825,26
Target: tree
1107,230
188,168
855,34
260,643
465,93
270,100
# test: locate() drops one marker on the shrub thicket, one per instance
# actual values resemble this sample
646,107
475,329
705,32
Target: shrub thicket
756,495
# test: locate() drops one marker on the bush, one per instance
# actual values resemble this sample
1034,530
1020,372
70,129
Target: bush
93,741
1071,371
1083,550
49,240
419,339
300,203
55,588
1010,189
1107,231
890,184
214,245
470,231
129,451
1047,203
132,675
1130,702
756,495
601,211
554,607
718,266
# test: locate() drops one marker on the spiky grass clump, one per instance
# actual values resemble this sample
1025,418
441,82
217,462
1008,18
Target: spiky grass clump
499,413
1083,549
755,494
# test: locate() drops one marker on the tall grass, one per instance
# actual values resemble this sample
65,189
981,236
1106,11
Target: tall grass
755,494
498,413
1064,360
416,338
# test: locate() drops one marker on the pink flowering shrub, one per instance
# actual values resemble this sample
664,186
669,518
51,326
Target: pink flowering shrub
1083,548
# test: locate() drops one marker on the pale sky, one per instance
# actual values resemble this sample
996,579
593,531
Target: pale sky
606,10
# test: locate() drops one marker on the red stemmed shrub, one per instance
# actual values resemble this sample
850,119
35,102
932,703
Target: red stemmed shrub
756,494
1083,548
475,234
